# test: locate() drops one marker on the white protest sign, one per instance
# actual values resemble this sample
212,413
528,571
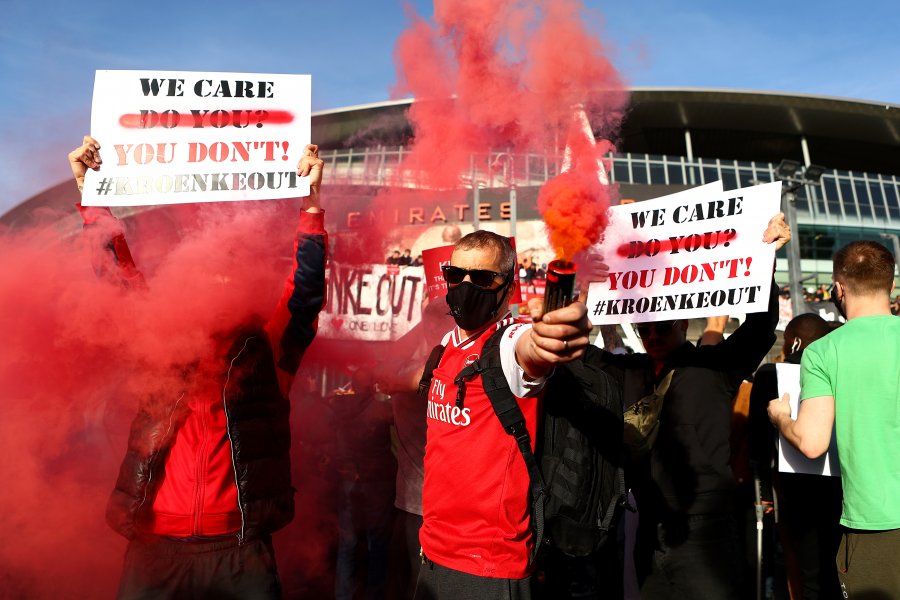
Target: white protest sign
791,460
693,254
173,137
372,302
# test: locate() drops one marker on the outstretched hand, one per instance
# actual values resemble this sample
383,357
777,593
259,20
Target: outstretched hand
557,337
310,164
84,157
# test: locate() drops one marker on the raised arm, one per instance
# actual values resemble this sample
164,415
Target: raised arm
293,325
747,346
107,238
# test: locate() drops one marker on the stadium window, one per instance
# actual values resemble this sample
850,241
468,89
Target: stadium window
852,208
729,179
657,171
639,170
833,198
675,169
892,200
877,199
620,172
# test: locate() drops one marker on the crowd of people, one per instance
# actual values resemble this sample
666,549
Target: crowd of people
403,260
434,495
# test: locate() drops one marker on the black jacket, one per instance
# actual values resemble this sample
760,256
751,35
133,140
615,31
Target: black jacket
687,472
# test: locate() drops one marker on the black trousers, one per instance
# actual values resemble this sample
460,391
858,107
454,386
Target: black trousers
440,583
159,568
697,557
403,556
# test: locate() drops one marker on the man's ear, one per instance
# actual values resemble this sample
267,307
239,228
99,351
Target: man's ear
510,290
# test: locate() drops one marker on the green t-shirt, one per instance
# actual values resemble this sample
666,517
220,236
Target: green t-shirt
859,365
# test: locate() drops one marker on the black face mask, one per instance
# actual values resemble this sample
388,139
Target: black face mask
473,307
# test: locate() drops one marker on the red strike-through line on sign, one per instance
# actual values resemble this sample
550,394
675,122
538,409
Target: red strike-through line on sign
187,120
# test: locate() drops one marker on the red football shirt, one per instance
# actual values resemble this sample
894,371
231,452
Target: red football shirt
477,513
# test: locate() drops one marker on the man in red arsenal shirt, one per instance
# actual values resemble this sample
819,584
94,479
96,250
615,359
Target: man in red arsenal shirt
476,535
206,478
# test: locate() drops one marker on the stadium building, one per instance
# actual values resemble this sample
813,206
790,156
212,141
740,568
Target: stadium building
839,157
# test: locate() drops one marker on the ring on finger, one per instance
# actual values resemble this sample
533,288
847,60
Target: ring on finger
565,345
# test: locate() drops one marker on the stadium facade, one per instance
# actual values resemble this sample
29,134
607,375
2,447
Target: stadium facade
672,139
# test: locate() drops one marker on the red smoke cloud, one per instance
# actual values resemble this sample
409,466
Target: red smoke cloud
79,351
508,75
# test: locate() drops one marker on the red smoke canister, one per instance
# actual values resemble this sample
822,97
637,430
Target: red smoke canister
560,289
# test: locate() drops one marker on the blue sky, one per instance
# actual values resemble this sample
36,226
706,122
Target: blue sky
50,49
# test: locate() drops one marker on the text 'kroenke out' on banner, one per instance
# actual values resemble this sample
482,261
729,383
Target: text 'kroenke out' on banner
173,137
697,253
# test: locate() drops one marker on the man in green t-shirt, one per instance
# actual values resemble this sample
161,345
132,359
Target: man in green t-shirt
851,379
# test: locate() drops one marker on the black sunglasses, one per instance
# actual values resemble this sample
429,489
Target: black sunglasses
660,327
482,278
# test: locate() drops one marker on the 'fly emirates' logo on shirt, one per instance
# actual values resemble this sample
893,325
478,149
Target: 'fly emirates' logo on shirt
445,411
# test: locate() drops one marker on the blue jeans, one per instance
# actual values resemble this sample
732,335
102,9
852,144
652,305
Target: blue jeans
698,556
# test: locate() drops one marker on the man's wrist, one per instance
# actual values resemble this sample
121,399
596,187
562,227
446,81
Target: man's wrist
782,420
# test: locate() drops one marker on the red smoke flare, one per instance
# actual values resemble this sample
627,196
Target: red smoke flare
574,204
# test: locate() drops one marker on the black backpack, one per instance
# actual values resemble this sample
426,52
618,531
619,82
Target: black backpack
576,474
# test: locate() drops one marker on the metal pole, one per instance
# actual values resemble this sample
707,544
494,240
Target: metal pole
513,210
798,304
476,201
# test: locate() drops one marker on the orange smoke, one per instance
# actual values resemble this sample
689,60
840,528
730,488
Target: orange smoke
574,204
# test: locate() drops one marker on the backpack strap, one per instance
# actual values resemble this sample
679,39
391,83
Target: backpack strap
511,418
434,359
618,500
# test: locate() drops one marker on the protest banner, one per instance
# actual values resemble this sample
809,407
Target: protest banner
693,254
174,137
791,460
367,302
433,259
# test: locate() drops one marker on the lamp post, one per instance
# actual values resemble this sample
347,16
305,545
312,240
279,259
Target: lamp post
794,175
509,178
476,205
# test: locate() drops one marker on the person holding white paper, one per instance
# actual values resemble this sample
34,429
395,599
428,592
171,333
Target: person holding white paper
809,506
687,542
850,381
206,478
